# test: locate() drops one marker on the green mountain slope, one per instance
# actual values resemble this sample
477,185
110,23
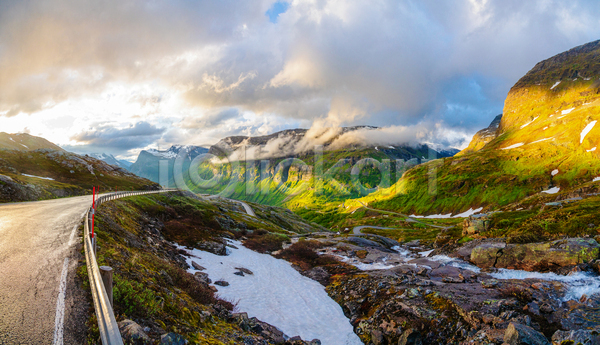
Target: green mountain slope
545,147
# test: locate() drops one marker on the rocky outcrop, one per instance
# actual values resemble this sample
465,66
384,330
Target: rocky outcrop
517,334
547,256
582,336
217,248
484,136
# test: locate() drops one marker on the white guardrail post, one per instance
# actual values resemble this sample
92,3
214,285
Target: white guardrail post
107,324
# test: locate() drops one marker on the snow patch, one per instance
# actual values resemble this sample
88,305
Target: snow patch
513,146
555,172
555,85
465,214
586,130
596,179
277,294
591,150
43,178
530,122
568,111
545,128
552,190
539,141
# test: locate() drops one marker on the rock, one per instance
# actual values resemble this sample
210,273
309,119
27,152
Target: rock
582,336
221,283
319,274
582,316
202,277
446,272
377,337
132,333
414,243
517,334
245,270
172,339
410,337
197,266
261,328
536,256
489,283
476,224
239,273
5,179
213,247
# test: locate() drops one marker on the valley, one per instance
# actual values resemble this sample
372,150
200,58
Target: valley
314,237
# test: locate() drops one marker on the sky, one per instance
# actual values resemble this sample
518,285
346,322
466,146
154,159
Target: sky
122,76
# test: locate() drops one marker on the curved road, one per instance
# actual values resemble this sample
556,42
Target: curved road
40,301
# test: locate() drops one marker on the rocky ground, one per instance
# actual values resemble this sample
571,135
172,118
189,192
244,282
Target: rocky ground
402,297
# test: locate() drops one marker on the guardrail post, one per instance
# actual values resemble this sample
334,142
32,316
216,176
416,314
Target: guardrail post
106,272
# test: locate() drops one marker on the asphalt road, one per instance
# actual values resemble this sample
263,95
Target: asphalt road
39,254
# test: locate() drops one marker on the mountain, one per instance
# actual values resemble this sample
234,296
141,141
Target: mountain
147,164
25,142
543,149
32,168
283,169
484,136
110,159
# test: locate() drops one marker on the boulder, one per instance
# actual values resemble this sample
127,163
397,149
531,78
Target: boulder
221,283
517,334
476,224
172,339
545,256
202,277
197,266
213,247
582,336
244,270
132,333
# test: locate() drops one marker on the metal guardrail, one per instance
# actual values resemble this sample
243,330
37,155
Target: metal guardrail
107,324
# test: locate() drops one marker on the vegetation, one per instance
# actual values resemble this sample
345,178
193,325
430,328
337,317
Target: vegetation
151,285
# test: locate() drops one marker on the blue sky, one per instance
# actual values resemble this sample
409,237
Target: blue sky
276,9
119,77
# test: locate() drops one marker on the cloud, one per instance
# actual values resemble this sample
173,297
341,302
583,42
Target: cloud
410,66
107,136
210,119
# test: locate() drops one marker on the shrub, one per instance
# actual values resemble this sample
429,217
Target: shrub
264,242
303,254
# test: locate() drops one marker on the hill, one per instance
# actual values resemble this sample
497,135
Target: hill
545,147
49,172
25,142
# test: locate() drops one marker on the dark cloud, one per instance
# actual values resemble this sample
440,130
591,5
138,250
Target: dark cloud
118,140
210,119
